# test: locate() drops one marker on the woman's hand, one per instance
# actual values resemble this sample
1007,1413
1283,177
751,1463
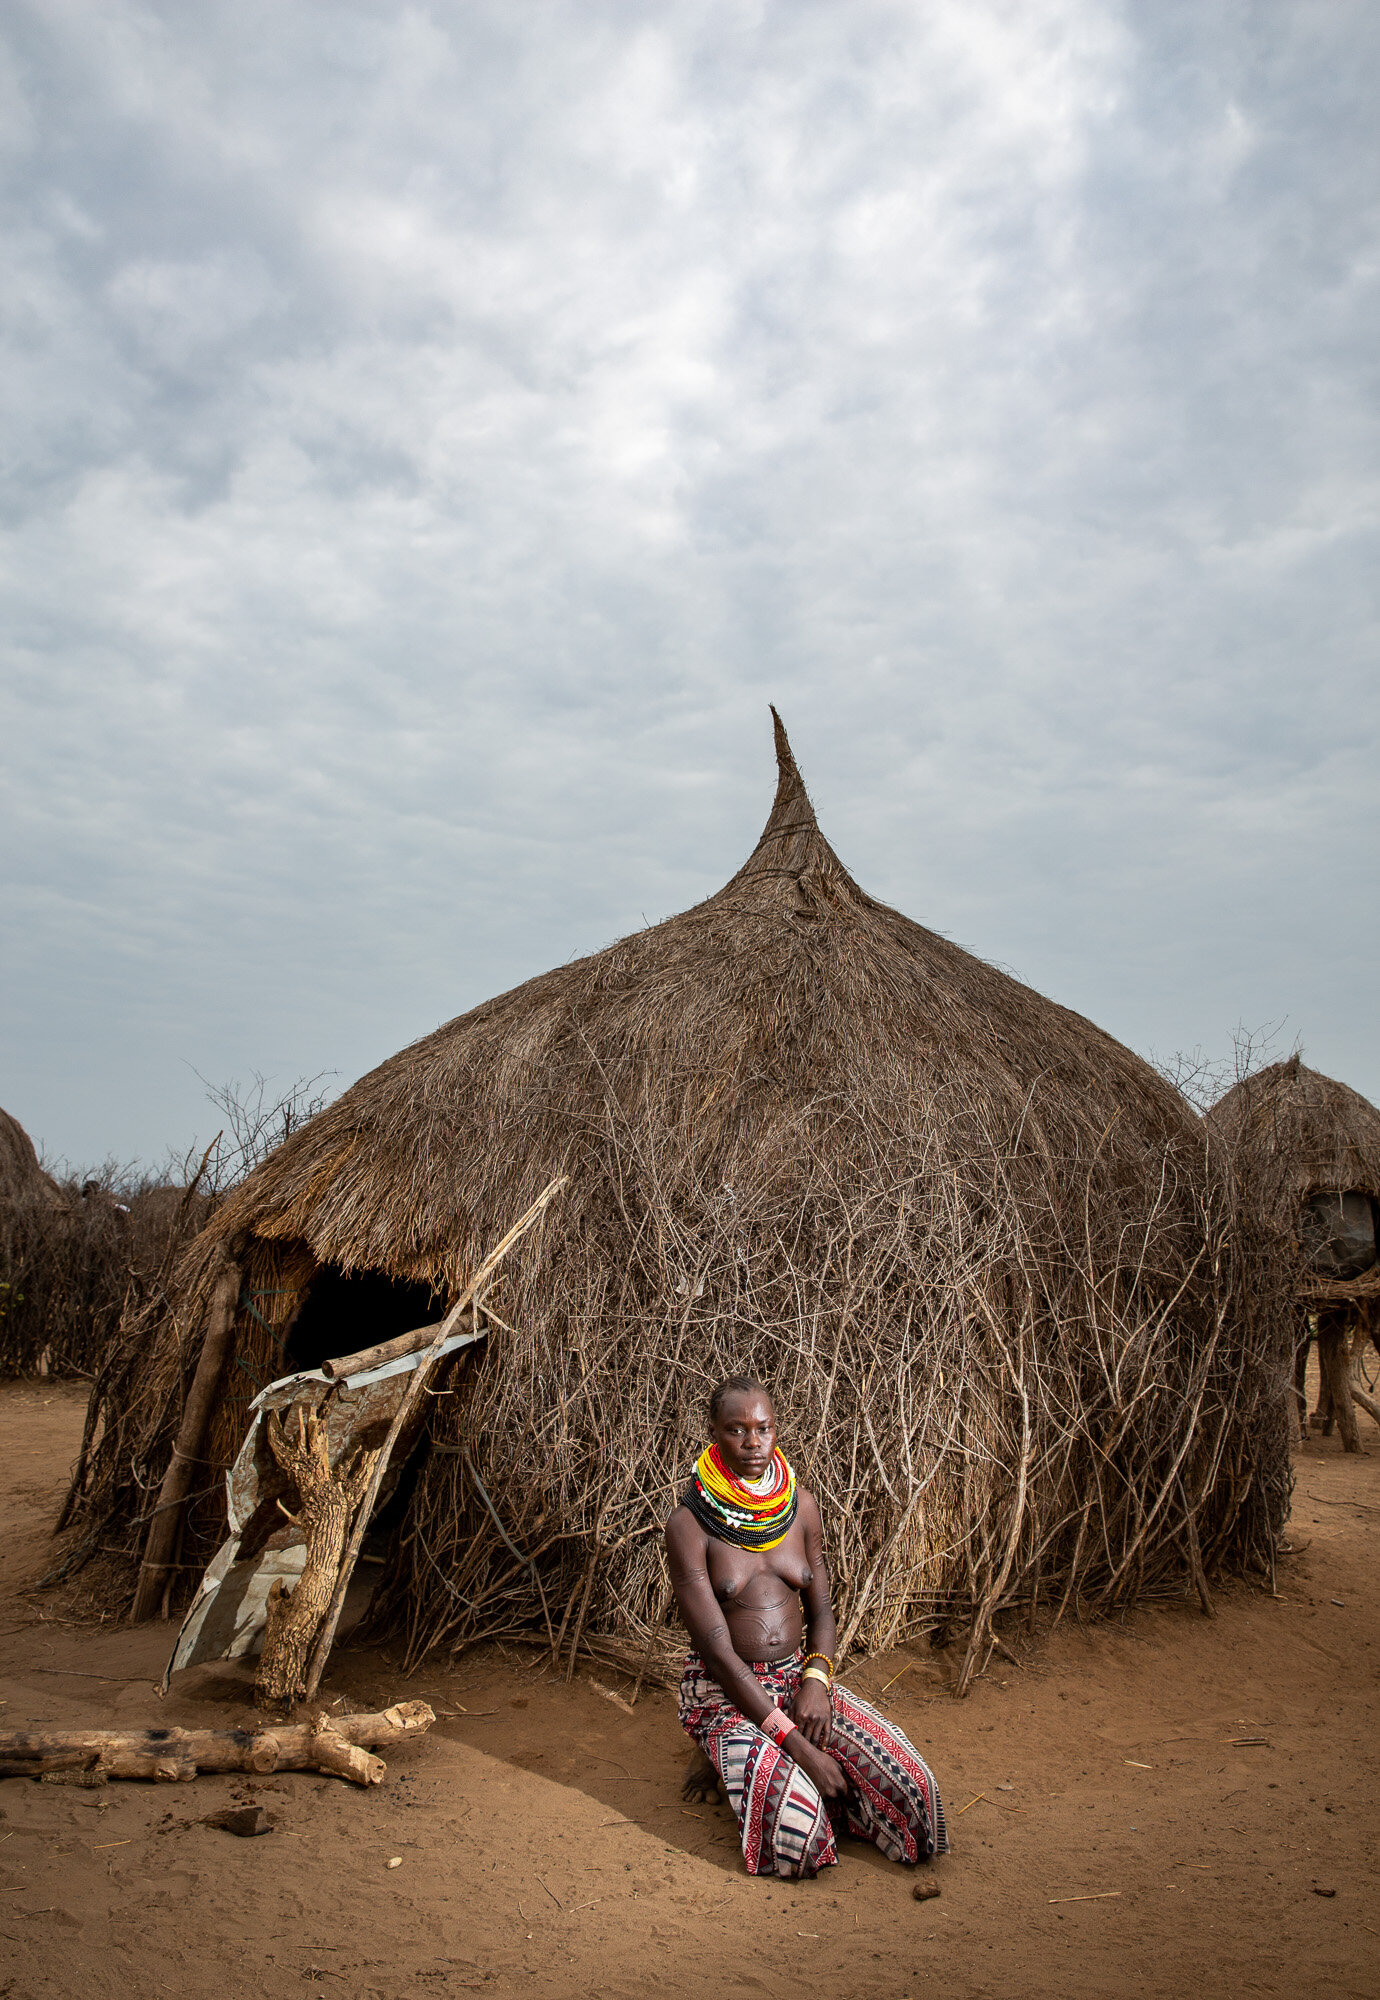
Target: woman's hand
809,1710
829,1780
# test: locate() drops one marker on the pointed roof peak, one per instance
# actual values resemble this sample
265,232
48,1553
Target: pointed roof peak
791,808
793,860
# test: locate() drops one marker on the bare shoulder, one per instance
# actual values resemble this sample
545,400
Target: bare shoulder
807,1507
683,1530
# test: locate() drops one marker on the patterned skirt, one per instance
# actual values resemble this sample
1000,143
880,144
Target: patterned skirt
786,1828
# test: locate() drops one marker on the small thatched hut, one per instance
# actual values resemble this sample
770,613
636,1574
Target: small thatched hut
1308,1151
76,1255
36,1265
975,1244
22,1179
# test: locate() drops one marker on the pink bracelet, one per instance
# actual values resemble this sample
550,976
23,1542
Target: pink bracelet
776,1725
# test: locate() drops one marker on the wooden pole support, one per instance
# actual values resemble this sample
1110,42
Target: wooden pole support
1368,1403
1301,1384
191,1435
328,1496
1335,1364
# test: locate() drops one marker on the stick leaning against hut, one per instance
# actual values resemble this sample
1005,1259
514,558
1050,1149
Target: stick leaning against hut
986,1258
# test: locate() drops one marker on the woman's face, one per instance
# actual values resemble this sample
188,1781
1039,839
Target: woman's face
745,1432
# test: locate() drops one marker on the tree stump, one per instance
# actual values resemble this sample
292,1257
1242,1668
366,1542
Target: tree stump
327,1499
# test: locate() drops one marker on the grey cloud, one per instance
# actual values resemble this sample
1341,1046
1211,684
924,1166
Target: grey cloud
435,432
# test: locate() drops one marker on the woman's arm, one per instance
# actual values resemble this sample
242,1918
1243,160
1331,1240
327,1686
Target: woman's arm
810,1710
687,1550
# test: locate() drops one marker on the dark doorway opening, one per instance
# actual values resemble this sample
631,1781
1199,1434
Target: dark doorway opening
344,1312
1338,1232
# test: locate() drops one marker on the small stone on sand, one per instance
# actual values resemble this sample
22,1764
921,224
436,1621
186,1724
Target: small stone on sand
246,1821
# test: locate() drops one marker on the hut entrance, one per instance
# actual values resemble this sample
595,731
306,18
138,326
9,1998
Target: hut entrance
346,1311
1338,1232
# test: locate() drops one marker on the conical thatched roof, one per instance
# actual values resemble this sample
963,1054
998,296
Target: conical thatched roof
1314,1134
972,1241
1299,1134
790,988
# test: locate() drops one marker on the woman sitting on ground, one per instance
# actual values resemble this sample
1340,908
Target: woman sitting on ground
800,1758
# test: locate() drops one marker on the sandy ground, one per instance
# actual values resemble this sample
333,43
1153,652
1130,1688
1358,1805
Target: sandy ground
545,1850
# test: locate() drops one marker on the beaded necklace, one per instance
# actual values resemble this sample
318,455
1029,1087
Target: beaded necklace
750,1517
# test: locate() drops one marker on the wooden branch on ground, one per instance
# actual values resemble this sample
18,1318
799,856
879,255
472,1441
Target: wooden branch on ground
337,1744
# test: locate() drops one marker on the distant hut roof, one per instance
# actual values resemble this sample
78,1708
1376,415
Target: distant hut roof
1299,1138
952,1223
21,1176
1310,1133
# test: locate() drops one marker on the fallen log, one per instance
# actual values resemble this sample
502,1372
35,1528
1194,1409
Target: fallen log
337,1744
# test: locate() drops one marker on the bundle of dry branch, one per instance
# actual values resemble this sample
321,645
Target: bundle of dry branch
1025,1346
77,1256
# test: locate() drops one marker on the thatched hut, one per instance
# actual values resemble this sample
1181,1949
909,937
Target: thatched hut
1308,1150
975,1244
22,1178
40,1276
76,1255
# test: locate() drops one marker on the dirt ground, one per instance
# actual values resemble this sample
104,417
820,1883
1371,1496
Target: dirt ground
1109,1836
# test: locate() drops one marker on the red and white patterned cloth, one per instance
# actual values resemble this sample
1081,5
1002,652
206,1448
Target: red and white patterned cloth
892,1801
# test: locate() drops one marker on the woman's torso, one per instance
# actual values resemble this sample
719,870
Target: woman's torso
760,1594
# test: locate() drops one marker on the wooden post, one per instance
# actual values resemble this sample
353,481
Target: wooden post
191,1436
1367,1403
1301,1384
1334,1365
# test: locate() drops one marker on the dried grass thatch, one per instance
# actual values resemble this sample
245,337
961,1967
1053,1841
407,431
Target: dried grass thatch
1295,1134
977,1247
74,1254
22,1179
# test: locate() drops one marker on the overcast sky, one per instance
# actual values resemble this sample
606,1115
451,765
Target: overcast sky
433,433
